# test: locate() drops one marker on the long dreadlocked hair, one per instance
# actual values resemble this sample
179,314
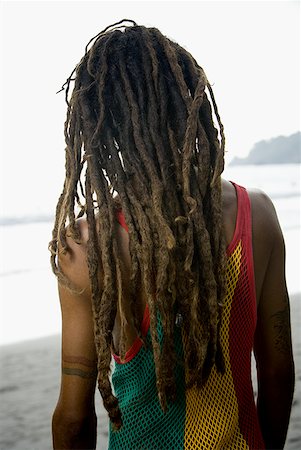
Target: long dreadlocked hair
139,123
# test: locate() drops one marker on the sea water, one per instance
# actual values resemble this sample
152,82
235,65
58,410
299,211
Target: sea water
29,305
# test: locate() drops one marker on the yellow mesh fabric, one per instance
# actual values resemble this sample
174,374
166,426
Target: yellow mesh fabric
212,419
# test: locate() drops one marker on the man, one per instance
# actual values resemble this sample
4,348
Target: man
178,276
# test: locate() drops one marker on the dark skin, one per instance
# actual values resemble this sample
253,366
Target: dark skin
74,419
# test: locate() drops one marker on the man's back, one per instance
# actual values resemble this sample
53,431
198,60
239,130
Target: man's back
222,414
272,336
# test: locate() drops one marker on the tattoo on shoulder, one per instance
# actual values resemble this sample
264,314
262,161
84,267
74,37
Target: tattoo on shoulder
281,325
79,372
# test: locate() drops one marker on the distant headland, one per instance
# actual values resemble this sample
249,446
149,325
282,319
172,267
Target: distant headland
279,150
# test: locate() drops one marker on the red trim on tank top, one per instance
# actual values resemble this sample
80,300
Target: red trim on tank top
243,229
138,342
238,222
121,219
247,232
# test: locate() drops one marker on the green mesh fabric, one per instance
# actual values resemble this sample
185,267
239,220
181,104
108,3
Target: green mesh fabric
143,420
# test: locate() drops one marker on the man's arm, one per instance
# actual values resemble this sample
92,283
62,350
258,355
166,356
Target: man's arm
273,346
74,419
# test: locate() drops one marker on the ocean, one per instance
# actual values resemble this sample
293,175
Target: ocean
29,305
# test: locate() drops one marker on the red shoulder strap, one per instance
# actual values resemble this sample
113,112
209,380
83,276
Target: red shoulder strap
244,216
121,219
243,226
244,231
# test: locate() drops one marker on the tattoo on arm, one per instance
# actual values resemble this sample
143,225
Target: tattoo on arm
79,372
281,325
82,361
79,360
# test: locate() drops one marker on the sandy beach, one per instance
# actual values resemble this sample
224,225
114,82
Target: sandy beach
29,387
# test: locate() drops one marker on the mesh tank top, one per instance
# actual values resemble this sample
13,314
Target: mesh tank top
221,415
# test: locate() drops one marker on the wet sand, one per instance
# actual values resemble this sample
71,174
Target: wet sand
29,388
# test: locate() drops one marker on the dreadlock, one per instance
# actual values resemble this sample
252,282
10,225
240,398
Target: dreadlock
140,124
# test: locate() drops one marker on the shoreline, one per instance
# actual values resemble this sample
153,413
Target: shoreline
29,389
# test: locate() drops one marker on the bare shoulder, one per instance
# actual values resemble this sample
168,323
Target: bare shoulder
264,217
268,244
73,262
261,201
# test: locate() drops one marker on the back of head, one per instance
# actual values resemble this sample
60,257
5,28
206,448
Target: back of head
139,124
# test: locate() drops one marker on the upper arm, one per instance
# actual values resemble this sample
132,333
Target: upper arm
272,347
79,358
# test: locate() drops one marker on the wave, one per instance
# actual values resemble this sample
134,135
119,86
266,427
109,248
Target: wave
21,271
8,221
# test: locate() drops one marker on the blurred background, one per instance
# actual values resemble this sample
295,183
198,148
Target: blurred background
250,51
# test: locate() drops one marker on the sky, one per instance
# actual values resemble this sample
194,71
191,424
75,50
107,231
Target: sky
250,51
